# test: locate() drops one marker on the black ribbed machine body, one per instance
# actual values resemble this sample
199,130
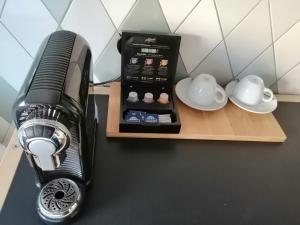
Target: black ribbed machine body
55,93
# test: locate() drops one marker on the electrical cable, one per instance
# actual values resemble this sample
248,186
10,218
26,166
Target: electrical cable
105,82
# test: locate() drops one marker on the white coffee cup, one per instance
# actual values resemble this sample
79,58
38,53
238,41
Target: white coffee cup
204,90
251,90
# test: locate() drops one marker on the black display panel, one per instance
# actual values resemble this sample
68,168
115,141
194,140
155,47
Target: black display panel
149,58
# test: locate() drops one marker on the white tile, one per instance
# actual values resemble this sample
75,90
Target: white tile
289,84
287,50
29,21
216,64
263,66
176,10
108,66
231,12
4,125
90,19
95,79
15,62
200,33
284,14
118,9
250,38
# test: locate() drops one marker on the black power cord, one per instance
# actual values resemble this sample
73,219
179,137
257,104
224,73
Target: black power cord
119,47
105,82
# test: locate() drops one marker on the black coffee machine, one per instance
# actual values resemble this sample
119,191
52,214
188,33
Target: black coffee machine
56,121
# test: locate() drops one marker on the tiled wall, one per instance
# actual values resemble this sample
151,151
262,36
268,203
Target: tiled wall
227,38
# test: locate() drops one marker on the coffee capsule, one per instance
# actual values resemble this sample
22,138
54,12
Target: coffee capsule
148,98
132,97
163,98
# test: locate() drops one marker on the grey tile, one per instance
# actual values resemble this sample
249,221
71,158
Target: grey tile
4,126
216,64
7,97
15,61
180,71
1,5
108,65
289,83
2,148
146,16
57,8
263,66
274,88
9,133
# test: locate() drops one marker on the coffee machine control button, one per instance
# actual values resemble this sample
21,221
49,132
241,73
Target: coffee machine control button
45,140
43,151
38,130
29,132
48,132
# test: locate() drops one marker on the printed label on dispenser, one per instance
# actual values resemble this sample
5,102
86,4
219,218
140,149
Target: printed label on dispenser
148,59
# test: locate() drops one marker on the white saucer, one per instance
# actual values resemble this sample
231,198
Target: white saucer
181,92
263,107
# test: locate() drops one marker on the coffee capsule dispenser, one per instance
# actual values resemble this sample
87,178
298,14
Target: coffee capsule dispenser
148,69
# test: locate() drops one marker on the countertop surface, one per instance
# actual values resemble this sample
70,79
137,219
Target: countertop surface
153,182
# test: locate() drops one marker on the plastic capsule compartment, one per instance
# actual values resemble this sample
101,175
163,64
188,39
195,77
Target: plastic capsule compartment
141,96
157,112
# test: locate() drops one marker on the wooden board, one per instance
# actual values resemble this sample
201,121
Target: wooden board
229,123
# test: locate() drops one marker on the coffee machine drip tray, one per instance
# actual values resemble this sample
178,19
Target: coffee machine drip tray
59,200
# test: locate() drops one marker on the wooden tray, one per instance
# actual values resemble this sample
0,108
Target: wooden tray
229,123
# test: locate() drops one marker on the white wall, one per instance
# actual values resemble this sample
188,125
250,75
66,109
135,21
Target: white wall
227,38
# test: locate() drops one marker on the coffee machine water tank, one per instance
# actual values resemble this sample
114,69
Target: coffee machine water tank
56,121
